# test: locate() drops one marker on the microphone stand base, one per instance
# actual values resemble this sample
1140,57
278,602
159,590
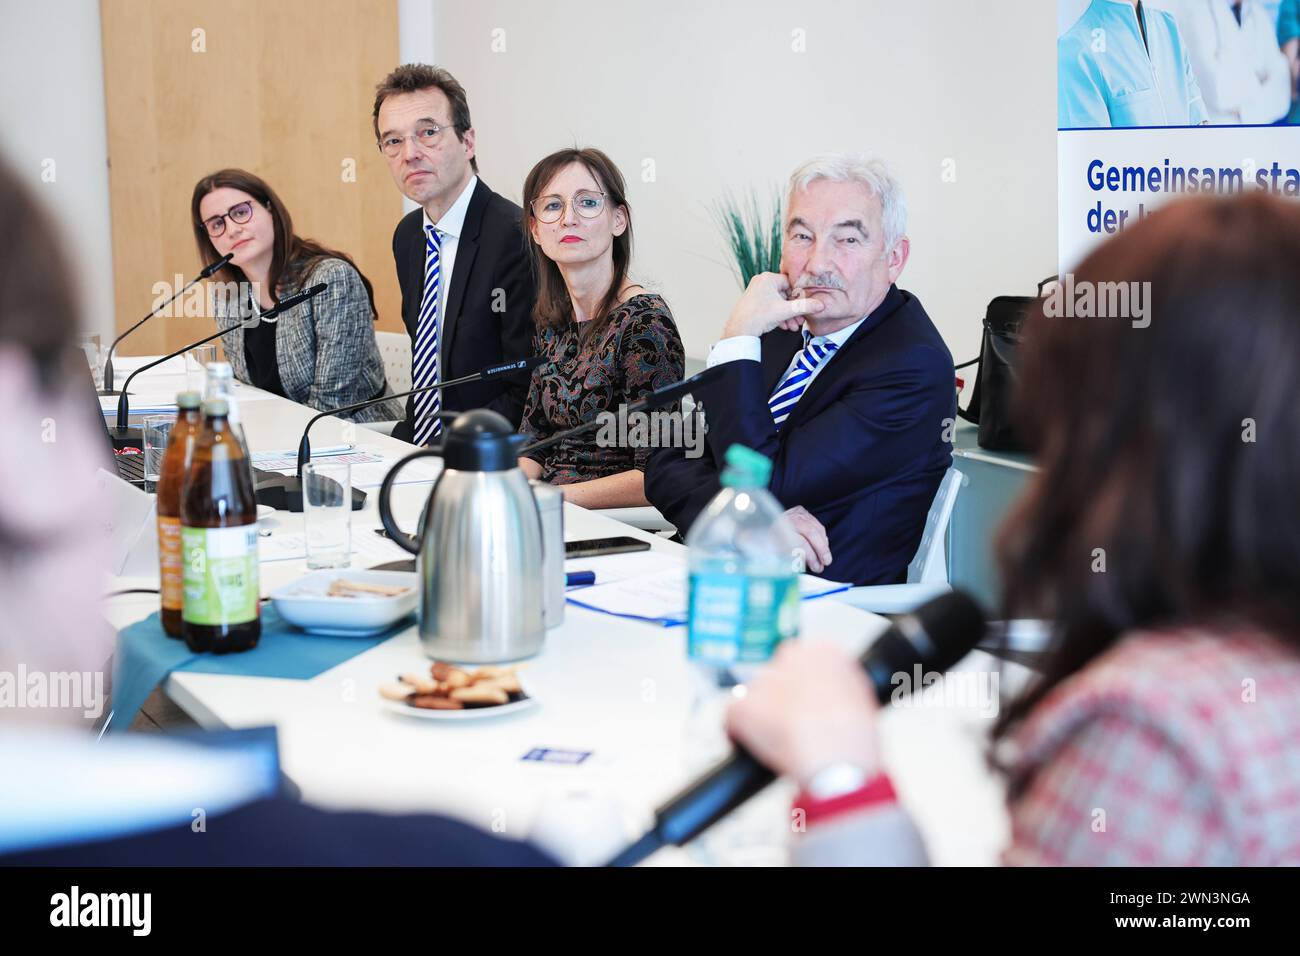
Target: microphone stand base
109,391
284,493
126,438
395,566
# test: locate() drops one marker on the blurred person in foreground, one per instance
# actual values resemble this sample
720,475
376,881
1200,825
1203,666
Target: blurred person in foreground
1170,696
68,798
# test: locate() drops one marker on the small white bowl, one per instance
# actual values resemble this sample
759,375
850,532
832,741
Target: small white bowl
305,604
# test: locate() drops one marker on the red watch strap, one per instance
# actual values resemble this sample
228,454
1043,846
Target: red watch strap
878,790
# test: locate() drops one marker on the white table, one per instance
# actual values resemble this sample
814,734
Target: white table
615,687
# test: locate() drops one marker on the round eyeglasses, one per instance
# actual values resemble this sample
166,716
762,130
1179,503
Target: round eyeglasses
586,203
239,213
424,137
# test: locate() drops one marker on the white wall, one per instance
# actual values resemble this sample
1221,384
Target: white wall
713,93
52,109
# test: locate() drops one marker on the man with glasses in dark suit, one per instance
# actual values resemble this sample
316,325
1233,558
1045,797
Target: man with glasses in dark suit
467,293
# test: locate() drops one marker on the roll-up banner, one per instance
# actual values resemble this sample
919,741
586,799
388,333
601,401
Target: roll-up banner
1168,98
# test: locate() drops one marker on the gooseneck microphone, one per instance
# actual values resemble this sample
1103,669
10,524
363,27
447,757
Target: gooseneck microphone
208,272
656,399
284,492
934,637
124,437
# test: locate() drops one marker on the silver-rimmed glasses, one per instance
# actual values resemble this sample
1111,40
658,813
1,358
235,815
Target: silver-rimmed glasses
586,202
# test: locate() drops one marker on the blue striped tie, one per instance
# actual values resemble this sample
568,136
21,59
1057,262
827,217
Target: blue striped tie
424,364
791,388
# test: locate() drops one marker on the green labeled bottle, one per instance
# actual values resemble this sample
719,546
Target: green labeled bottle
221,611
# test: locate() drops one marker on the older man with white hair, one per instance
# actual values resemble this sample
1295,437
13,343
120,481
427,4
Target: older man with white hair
835,374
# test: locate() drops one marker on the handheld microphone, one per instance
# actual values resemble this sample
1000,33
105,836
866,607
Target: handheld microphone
284,492
934,637
124,437
208,271
656,399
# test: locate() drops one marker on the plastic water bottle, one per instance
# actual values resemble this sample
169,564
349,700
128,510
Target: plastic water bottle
744,600
744,569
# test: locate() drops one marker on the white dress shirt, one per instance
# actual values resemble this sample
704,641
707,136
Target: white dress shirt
747,347
449,227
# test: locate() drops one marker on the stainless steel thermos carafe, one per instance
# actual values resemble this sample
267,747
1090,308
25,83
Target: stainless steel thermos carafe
480,551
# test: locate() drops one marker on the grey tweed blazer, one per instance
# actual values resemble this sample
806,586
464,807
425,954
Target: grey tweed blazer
325,348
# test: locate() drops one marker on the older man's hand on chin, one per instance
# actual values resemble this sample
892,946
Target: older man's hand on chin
766,305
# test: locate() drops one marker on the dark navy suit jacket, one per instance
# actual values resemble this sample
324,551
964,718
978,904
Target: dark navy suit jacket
863,451
281,832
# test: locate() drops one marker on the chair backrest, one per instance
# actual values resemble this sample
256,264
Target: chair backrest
931,561
395,350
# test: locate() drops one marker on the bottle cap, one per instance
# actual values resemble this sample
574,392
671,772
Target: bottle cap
746,468
187,400
216,406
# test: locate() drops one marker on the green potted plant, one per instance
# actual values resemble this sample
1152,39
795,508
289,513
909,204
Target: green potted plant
753,233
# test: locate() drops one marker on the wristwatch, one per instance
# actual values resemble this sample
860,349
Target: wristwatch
835,781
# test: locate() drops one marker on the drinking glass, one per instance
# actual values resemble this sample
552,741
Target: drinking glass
327,513
157,430
196,366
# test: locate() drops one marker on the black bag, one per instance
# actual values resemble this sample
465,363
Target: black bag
990,403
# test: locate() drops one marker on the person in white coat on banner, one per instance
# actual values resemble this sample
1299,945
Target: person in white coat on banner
1243,74
1124,63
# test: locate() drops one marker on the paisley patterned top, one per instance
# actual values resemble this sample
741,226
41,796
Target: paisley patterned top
638,352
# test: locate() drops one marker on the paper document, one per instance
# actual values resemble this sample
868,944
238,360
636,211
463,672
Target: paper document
368,548
661,596
619,567
422,471
124,365
287,461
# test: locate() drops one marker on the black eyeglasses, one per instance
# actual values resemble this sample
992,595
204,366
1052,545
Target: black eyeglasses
239,213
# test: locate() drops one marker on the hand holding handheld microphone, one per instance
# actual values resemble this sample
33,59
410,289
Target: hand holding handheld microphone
934,637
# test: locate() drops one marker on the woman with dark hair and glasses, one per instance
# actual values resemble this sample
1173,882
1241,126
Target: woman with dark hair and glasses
1161,537
609,341
320,353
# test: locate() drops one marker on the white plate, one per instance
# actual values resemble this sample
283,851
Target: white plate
303,602
469,713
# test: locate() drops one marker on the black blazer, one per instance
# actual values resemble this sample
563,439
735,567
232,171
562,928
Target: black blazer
480,325
864,449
